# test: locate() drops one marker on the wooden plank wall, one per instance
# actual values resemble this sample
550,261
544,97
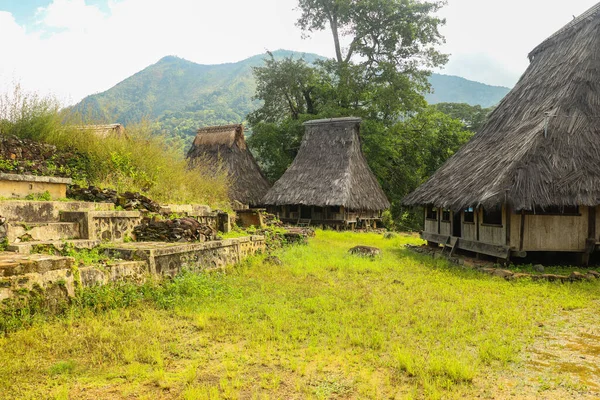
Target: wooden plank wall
551,232
469,230
446,228
430,224
491,233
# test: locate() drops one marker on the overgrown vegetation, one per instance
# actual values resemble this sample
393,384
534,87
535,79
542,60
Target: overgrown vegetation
324,324
139,162
381,76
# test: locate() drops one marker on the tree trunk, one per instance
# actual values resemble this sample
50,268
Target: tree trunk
336,38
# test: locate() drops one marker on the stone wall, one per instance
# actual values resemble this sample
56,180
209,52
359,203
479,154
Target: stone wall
60,276
170,258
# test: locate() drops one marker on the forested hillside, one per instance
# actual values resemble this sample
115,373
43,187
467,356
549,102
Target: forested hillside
454,89
179,95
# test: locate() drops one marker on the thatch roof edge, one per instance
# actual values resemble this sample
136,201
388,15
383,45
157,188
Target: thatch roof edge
565,30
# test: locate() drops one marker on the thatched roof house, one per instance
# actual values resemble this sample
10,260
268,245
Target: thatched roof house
329,181
225,146
538,153
104,131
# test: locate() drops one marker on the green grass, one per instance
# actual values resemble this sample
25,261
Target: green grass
325,324
139,162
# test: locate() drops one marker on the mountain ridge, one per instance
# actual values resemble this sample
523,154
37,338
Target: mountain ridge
181,95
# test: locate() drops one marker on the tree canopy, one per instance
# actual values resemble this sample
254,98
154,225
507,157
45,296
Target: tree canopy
384,52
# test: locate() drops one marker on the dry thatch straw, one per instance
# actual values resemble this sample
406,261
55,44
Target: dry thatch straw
225,147
329,170
104,131
541,145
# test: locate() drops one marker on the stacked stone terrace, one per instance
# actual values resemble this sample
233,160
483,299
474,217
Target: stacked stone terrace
35,232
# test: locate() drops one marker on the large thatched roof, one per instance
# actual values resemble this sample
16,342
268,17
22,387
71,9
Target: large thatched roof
225,146
329,170
541,145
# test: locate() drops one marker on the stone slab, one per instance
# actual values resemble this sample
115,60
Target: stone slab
34,178
20,186
46,211
41,231
28,247
170,258
12,264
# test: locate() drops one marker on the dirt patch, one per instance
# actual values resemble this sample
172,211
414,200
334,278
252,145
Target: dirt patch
562,363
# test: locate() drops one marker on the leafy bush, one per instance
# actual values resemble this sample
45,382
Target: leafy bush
137,162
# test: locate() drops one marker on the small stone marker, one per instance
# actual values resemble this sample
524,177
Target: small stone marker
366,251
274,260
538,268
389,235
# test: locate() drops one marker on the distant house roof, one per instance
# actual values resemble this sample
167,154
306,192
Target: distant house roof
329,170
226,146
106,130
541,145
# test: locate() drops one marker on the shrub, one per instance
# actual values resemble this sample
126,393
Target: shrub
137,162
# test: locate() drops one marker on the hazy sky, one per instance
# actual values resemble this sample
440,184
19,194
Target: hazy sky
73,48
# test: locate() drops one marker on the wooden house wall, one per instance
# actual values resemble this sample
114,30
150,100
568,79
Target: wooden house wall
541,232
468,229
431,225
550,232
493,234
446,228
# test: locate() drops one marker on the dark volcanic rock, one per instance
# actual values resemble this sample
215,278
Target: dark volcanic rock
174,230
128,200
365,251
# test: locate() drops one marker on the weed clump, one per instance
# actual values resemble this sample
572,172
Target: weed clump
137,162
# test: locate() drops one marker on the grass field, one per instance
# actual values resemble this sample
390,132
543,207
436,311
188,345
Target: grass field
322,325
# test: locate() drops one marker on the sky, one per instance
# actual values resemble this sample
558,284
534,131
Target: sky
74,48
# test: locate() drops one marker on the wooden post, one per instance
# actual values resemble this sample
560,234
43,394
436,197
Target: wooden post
592,222
522,237
590,243
439,219
508,218
476,219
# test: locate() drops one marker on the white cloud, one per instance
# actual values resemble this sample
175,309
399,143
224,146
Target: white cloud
70,15
489,40
75,49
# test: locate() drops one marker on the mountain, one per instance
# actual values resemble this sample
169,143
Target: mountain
181,95
454,89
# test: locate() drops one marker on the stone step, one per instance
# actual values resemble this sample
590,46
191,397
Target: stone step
12,264
20,272
58,245
46,211
17,232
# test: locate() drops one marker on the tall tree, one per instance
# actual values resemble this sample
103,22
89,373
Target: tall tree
383,52
392,43
473,117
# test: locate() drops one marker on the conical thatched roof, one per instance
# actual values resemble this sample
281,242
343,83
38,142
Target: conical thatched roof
329,170
225,146
541,145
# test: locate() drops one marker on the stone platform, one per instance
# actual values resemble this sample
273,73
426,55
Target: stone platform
171,258
20,186
32,272
21,273
50,226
